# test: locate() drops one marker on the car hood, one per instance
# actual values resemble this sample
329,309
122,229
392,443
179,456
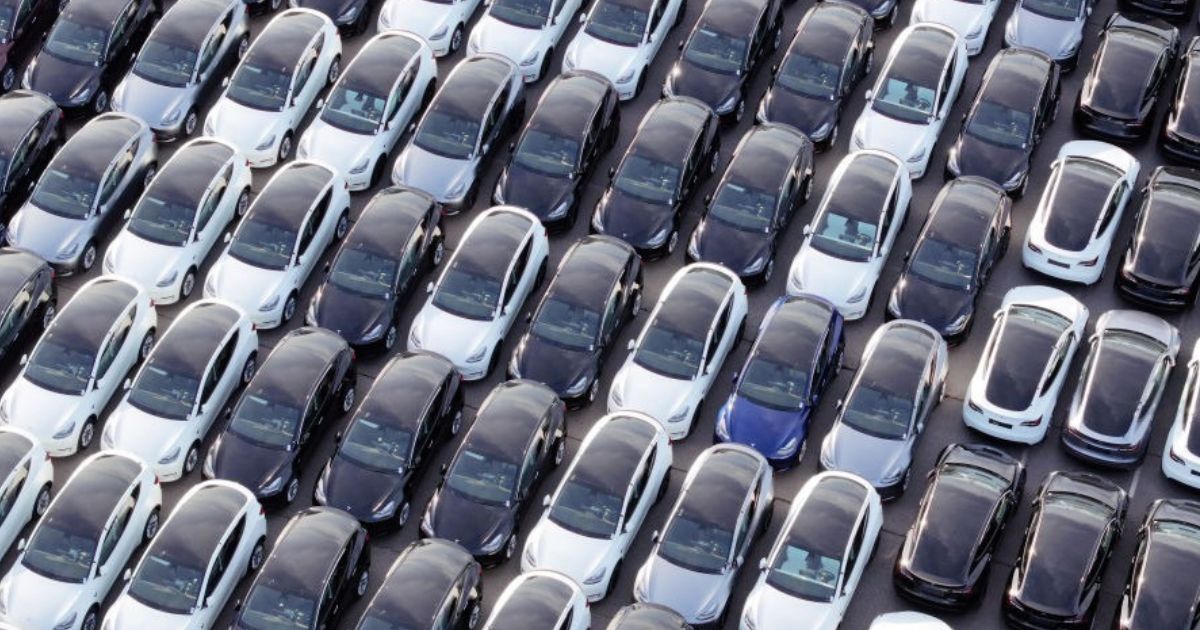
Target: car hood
327,143
358,490
61,79
899,138
244,127
141,260
631,219
684,591
963,17
537,193
147,435
558,367
710,87
39,411
763,428
251,465
511,41
827,276
1026,28
130,614
35,601
803,113
43,233
653,394
466,522
245,285
994,162
148,100
430,172
770,608
721,243
452,336
560,549
348,314
422,18
929,303
867,456
610,60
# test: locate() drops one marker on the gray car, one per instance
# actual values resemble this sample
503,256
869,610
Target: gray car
181,64
96,174
898,385
724,505
1054,27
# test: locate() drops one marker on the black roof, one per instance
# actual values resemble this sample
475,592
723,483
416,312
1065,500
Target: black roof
1175,510
285,38
1020,356
16,267
191,170
668,130
403,389
197,525
101,13
1065,539
538,602
1166,589
19,112
589,270
193,339
188,22
14,448
290,193
378,65
923,54
416,586
96,145
388,221
472,85
737,18
1168,226
491,247
863,187
85,504
306,551
983,457
827,517
1120,363
1128,55
567,105
613,455
958,511
644,5
297,363
764,157
898,361
91,313
964,210
694,302
829,29
721,486
647,616
1016,78
796,331
505,425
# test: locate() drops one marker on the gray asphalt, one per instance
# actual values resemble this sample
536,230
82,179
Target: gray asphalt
875,594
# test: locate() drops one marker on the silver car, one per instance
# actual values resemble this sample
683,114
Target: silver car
1054,27
725,504
96,174
182,62
898,385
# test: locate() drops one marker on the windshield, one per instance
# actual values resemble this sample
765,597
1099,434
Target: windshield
376,445
356,111
447,135
80,43
617,23
467,294
161,221
567,324
162,63
809,76
263,244
844,237
163,393
716,51
364,272
943,263
483,478
670,353
647,179
774,385
805,574
259,88
167,585
547,153
745,208
692,543
265,422
879,412
523,13
1004,126
905,100
587,510
60,368
272,609
59,554
1055,9
65,194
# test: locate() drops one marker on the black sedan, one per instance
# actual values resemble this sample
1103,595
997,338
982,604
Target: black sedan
964,238
595,292
574,125
397,237
1162,585
1161,266
1016,102
414,405
88,51
1121,89
769,176
23,25
30,133
1073,530
1180,137
308,377
432,584
28,299
676,147
352,17
831,53
518,436
946,556
729,41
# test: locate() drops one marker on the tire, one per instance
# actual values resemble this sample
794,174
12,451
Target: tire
560,452
292,490
257,555
456,39
191,459
377,172
148,176
348,398
243,203
188,285
389,337
90,619
249,368
243,46
48,313
402,514
343,225
100,101
42,502
147,345
641,84
363,583
87,259
335,70
150,529
289,308
285,148
87,433
662,488
190,121
8,80
474,616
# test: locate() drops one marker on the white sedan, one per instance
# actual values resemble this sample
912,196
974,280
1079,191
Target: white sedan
540,599
295,56
303,208
26,480
854,229
620,39
181,216
442,23
373,103
525,31
1080,211
1024,364
689,334
1181,458
208,352
498,263
970,19
907,108
629,455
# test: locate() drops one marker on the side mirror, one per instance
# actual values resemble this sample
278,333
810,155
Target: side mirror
762,564
228,237
128,384
127,575
24,359
583,17
868,94
612,172
320,104
429,288
654,536
21,545
128,213
225,82
631,345
327,266
838,405
546,501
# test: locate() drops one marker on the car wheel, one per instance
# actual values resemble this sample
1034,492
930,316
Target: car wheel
672,241
42,502
593,391
510,548
768,271
493,361
335,70
191,459
88,259
612,580
285,147
257,555
456,422
560,452
545,69
100,101
147,345
641,84
9,79
456,39
188,285
402,513
439,252
152,523
364,581
243,46
289,308
189,122
348,399
48,313
293,489
740,111
389,338
148,176
87,433
377,172
474,615
90,619
249,368
343,225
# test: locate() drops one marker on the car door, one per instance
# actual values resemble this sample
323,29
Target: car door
12,321
215,212
852,567
223,575
14,514
117,59
113,185
219,382
114,361
22,155
530,467
422,441
518,287
401,107
645,492
208,61
305,83
657,28
117,543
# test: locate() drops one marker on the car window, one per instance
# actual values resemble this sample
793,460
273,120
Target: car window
16,310
115,342
317,403
209,206
410,262
855,546
306,69
518,271
115,530
209,51
529,466
217,371
224,557
20,157
611,311
19,15
566,622
655,18
1110,209
402,89
1057,363
9,496
116,174
718,333
944,89
445,616
121,29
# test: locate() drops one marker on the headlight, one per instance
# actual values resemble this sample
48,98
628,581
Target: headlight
727,105
270,303
266,144
477,356
757,264
596,577
361,166
958,324
440,33
169,279
109,265
660,236
710,612
788,448
67,622
65,433
530,60
68,250
170,457
822,132
857,142
568,62
387,510
173,116
918,156
494,544
559,211
679,417
1014,180
310,316
641,592
375,333
626,77
858,296
27,78
577,387
348,15
274,486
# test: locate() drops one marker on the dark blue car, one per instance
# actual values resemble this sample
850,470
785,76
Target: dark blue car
795,358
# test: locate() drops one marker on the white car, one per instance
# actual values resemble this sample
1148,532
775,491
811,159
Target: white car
619,473
180,217
442,23
215,536
302,209
1181,454
620,39
372,104
908,620
908,107
498,263
1024,364
525,31
295,56
819,556
75,555
208,352
845,247
540,599
79,363
968,18
1080,210
26,481
673,362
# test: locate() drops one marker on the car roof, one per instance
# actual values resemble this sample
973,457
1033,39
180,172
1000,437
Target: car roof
668,129
95,12
764,157
826,519
290,193
733,17
537,602
94,147
721,486
188,22
644,5
647,616
16,267
14,447
613,455
190,172
1016,78
402,391
964,211
86,502
298,361
20,111
198,525
797,328
193,339
863,187
473,85
694,302
90,314
589,270
505,424
416,585
898,359
307,549
567,105
960,509
285,38
388,221
923,54
829,30
377,66
493,242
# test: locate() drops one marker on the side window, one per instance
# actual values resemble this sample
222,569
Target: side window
855,546
320,396
224,557
209,206
445,616
1110,210
718,333
20,157
22,13
217,371
639,488
12,317
885,222
121,28
1056,365
304,72
656,17
209,51
944,90
116,174
10,494
529,466
113,535
322,209
517,272
403,89
113,347
331,588
411,260
566,622
611,310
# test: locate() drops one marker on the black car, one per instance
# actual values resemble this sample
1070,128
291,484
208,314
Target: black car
352,17
397,237
883,12
519,434
89,49
1120,91
946,556
1180,137
415,404
1073,530
574,125
433,583
1016,102
717,61
1161,266
831,53
23,25
28,298
308,376
676,147
647,616
595,292
319,565
1162,585
963,240
1170,10
769,176
30,133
